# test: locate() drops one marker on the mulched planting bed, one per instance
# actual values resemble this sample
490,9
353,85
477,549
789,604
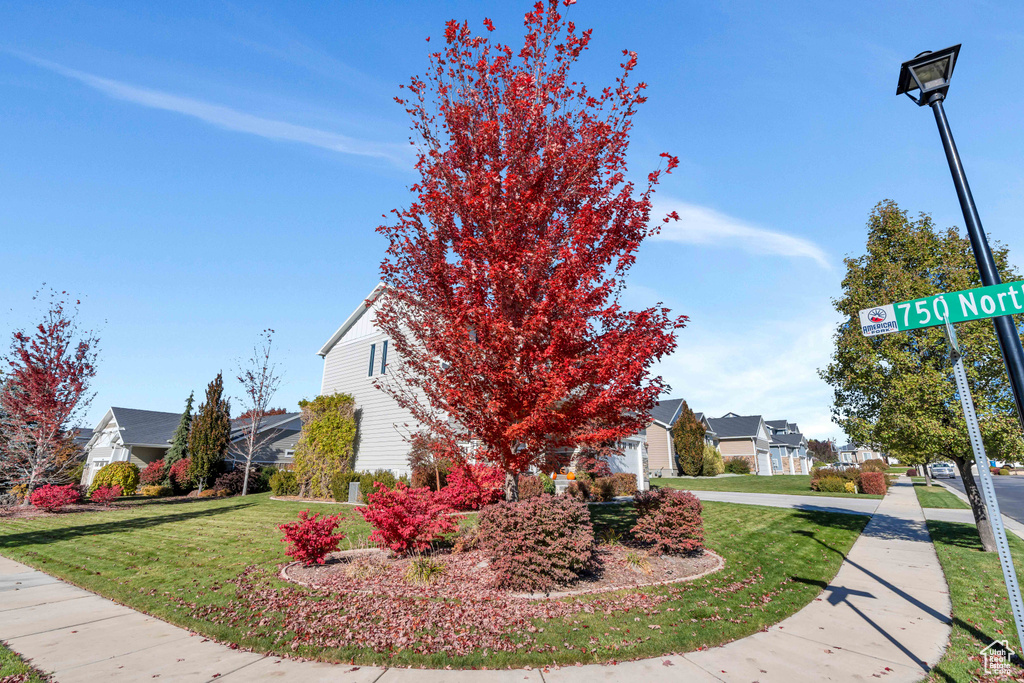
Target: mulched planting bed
30,512
374,571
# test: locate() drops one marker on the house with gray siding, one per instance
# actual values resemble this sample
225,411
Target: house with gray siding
275,442
354,356
131,435
744,437
788,448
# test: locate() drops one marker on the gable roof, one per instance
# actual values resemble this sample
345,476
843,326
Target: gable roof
269,422
740,426
361,309
793,440
145,427
667,412
777,424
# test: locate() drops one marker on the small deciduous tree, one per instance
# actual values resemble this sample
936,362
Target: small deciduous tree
504,275
326,443
179,442
259,379
688,440
896,391
822,450
46,388
210,434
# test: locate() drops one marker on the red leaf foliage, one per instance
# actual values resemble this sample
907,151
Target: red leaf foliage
669,519
153,473
873,483
52,498
471,487
538,543
311,538
105,495
505,271
179,473
406,519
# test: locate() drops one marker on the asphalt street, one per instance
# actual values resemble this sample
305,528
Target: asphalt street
1009,492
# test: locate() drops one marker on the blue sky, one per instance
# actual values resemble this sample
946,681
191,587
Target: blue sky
199,171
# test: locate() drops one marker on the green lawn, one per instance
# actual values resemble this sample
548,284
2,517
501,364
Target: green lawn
937,497
792,484
13,668
177,561
981,608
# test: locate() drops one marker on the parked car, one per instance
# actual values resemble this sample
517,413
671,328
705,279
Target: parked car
942,469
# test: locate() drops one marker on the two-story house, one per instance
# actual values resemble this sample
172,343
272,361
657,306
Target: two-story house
788,448
744,437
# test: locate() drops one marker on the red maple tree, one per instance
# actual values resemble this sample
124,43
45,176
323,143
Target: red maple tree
45,389
504,275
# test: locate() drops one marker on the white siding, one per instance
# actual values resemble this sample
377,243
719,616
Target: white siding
383,424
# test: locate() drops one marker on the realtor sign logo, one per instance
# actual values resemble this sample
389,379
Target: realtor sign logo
957,307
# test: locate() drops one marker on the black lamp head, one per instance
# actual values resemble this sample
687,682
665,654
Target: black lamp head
928,73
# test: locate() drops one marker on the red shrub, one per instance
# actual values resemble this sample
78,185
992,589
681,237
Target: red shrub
52,498
311,538
603,489
406,519
537,543
873,483
179,474
105,495
530,486
912,472
153,473
669,519
471,487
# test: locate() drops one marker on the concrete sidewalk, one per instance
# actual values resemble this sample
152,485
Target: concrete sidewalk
851,506
885,614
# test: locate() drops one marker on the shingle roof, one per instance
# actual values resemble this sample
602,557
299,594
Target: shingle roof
667,412
788,439
777,424
146,426
268,421
734,427
82,435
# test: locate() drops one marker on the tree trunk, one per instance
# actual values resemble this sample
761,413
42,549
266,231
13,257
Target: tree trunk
437,476
245,479
927,475
981,518
27,500
511,487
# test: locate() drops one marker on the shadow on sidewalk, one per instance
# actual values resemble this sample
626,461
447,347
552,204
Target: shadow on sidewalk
119,525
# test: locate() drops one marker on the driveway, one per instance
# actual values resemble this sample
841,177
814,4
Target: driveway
1009,493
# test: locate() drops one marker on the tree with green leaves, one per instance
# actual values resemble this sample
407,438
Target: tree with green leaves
210,434
326,444
179,442
688,440
896,391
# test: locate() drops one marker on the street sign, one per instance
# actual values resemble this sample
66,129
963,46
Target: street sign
956,307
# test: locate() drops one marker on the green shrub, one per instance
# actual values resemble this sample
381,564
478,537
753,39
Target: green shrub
368,480
340,482
851,487
832,484
874,465
548,483
1004,471
123,474
284,483
155,491
738,466
713,465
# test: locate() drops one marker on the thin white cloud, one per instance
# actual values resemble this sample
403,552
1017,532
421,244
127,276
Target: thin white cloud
772,373
228,118
704,226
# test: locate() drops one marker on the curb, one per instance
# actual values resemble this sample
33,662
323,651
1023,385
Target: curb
1011,525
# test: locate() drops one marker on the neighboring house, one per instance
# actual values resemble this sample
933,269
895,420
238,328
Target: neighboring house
744,437
276,440
661,453
128,434
710,437
788,448
81,436
857,453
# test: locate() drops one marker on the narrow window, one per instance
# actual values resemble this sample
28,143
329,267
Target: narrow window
384,357
373,348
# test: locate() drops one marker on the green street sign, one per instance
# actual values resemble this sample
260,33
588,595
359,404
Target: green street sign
957,307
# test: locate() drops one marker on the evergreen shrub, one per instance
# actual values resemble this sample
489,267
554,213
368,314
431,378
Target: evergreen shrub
122,473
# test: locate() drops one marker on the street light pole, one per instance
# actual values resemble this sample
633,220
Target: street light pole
1006,330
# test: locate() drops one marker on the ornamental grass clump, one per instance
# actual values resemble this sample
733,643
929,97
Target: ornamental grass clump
539,543
311,538
406,520
424,570
105,495
53,498
670,520
122,473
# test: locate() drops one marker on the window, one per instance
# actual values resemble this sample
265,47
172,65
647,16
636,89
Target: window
289,453
373,348
384,356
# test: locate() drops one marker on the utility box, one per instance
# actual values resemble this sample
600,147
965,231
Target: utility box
353,492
